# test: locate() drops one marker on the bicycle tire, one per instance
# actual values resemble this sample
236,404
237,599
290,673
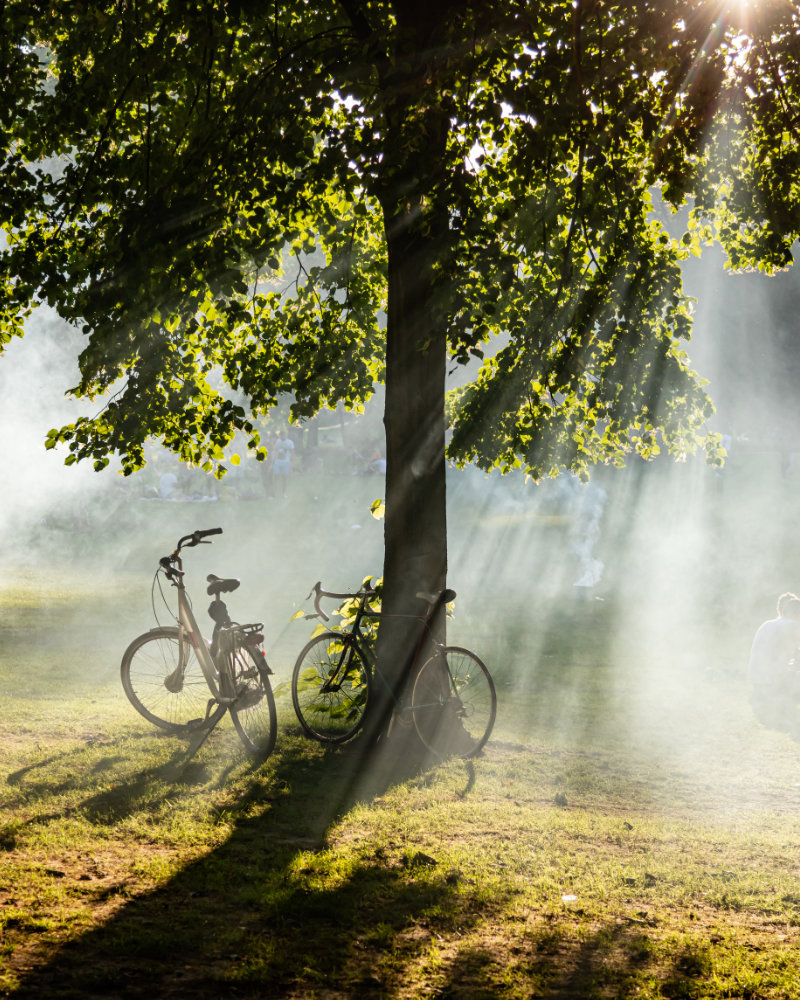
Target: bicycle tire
330,716
454,711
253,710
147,666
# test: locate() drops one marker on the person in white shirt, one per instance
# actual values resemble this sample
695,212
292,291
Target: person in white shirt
168,485
774,667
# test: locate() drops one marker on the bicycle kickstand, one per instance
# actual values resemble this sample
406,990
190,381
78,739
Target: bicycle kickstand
203,727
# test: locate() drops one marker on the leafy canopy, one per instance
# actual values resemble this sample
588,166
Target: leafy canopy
205,189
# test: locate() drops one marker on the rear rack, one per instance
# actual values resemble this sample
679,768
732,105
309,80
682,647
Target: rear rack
251,635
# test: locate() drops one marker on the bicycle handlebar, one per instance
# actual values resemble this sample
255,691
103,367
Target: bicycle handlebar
188,541
434,600
196,537
319,593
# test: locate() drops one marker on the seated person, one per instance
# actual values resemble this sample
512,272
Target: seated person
774,679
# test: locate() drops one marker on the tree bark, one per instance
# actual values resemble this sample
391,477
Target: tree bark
415,522
417,225
415,528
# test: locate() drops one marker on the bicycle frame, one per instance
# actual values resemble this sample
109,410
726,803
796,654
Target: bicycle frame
446,693
357,640
189,632
183,683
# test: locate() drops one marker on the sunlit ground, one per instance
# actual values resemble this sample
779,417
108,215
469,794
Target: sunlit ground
628,831
690,563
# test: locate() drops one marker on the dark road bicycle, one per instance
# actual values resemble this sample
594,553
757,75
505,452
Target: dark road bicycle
184,684
452,703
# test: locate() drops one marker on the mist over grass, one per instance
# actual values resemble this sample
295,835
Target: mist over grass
627,829
692,562
629,820
688,562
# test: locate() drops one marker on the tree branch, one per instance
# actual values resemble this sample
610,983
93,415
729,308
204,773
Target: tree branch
358,18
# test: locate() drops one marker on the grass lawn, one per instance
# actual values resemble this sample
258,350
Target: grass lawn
629,830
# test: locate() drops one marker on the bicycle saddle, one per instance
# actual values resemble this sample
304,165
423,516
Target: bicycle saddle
216,585
444,595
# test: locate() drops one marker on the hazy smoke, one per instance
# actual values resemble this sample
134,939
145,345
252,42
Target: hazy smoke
586,531
35,372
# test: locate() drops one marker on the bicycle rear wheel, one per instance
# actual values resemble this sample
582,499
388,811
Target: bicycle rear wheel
331,688
453,703
253,709
164,681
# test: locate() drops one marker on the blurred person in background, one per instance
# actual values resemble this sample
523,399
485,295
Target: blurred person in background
284,446
773,668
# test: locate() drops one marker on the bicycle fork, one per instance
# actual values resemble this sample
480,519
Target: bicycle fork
173,682
332,685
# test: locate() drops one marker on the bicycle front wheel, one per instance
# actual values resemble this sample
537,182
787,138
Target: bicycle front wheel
253,708
453,703
164,681
331,688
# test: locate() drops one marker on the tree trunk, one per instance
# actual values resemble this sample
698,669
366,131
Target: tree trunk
416,223
415,527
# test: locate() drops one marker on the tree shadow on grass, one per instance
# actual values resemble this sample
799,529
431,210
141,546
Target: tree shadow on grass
268,908
134,788
272,913
612,960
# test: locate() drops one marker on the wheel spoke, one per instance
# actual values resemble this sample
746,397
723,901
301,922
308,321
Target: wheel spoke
152,681
253,709
330,688
453,703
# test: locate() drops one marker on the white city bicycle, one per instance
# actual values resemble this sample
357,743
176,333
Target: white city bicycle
184,684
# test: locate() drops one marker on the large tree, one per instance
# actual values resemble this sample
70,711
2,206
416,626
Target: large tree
310,197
